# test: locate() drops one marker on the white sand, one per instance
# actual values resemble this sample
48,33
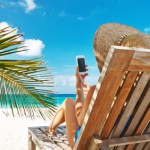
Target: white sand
14,131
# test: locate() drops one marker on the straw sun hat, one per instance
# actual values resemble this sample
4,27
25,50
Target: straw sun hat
117,34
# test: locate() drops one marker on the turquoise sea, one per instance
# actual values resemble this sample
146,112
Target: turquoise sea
61,97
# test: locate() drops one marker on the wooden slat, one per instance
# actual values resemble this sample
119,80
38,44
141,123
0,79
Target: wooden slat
109,84
60,139
147,130
121,147
141,127
126,140
140,62
139,113
131,104
63,146
147,146
106,147
41,140
140,146
119,104
95,143
61,130
141,58
63,143
145,121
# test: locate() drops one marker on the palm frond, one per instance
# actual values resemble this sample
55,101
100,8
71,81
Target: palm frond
24,84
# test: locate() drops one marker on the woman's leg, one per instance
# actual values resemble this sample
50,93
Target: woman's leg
81,109
66,113
57,120
71,120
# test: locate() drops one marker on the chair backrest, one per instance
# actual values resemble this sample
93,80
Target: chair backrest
121,101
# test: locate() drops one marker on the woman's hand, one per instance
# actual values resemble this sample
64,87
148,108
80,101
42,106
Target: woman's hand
80,78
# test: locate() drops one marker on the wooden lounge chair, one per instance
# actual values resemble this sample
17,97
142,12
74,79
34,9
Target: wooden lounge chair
45,141
119,112
118,116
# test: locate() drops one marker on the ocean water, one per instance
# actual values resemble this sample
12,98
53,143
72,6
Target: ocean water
61,97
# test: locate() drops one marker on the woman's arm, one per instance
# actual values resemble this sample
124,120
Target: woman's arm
85,106
79,87
80,95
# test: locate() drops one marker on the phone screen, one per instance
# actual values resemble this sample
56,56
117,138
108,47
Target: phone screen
81,64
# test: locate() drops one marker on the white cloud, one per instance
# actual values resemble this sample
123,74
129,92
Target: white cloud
147,30
28,5
92,80
66,84
35,47
65,80
4,25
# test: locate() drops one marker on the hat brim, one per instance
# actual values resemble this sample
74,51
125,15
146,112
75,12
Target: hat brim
113,34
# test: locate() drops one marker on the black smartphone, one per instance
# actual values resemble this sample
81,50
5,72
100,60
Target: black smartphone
81,64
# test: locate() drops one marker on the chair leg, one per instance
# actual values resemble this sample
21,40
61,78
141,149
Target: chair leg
31,144
95,143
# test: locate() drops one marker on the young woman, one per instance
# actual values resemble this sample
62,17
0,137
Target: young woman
108,34
73,112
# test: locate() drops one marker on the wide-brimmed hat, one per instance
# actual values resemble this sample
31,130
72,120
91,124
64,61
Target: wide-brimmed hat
117,34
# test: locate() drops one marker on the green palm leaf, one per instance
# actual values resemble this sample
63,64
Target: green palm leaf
24,84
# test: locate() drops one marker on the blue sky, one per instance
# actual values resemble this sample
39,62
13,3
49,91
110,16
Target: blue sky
61,29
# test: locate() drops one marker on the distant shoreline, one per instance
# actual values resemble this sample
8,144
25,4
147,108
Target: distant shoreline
63,95
58,97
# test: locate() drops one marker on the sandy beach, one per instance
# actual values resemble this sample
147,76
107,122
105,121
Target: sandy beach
14,131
